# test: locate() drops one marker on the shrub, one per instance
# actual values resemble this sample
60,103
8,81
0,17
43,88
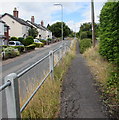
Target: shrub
43,41
13,39
20,48
84,44
39,44
83,35
28,41
109,32
30,47
21,39
10,52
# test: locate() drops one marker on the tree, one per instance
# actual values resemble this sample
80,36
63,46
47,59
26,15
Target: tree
56,29
86,30
33,32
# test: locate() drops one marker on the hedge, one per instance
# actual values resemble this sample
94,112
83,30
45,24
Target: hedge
30,47
39,44
109,32
84,44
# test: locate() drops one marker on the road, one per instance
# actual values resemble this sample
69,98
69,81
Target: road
18,64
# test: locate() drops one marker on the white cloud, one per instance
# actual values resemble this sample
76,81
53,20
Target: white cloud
45,11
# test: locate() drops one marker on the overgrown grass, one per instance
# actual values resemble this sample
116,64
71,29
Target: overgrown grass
107,75
46,102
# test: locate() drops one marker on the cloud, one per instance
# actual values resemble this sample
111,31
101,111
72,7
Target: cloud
49,13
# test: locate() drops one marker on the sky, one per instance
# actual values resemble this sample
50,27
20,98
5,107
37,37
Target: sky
75,12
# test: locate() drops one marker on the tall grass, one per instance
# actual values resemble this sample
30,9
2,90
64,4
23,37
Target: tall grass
107,75
46,102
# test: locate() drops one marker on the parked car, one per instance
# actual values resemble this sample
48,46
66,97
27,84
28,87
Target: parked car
15,43
37,41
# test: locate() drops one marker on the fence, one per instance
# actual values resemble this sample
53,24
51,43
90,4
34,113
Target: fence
14,83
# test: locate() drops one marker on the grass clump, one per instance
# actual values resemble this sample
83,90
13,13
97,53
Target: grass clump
46,102
107,76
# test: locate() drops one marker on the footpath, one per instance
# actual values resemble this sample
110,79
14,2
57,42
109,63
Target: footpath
79,97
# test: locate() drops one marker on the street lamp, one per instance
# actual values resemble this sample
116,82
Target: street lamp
61,18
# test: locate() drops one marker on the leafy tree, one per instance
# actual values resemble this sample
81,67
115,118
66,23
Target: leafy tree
86,30
33,32
56,29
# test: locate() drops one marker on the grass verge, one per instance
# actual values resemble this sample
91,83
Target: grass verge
46,102
108,78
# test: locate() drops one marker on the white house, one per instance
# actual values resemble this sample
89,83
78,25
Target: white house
41,30
4,33
18,27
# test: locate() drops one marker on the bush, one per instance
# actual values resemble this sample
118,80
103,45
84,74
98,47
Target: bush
109,32
10,52
20,48
28,41
44,41
30,47
13,39
84,44
21,39
83,35
39,44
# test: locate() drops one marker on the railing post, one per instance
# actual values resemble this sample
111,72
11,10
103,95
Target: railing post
12,96
60,52
51,63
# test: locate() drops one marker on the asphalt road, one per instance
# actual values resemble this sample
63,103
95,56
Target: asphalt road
18,64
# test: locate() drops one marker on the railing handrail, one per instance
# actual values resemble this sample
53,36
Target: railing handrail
8,83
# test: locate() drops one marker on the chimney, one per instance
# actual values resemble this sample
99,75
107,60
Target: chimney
32,19
15,12
42,22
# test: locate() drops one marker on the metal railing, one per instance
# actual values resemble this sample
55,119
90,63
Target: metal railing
11,86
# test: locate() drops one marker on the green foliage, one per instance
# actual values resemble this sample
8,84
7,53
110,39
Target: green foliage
13,39
86,31
21,39
83,35
43,41
20,48
28,41
33,32
10,52
39,45
109,32
56,29
84,44
30,47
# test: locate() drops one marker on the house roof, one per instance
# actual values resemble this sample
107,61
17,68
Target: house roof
4,23
21,21
36,25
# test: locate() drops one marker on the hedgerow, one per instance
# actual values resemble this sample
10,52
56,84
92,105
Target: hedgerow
109,32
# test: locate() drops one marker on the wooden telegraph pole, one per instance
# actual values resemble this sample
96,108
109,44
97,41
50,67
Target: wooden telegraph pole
93,21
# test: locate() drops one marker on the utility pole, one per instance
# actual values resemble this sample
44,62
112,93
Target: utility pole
93,22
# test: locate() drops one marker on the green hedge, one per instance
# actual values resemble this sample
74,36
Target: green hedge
28,41
109,32
84,44
39,44
20,48
30,47
10,52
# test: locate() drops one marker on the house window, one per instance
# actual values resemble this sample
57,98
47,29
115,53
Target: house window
5,29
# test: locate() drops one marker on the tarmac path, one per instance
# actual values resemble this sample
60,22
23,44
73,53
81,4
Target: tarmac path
79,97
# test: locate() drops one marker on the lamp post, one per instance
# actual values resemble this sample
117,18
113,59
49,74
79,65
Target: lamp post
61,18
